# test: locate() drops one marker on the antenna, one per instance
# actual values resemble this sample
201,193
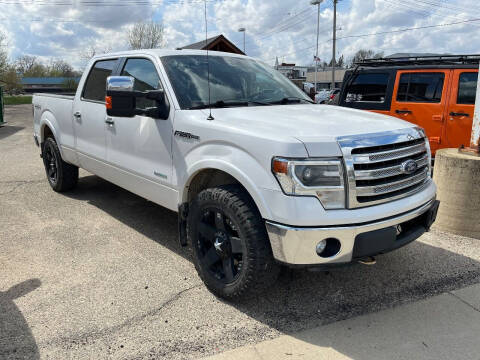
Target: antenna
210,117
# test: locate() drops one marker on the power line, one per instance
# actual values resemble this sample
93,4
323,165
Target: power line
279,29
106,3
409,29
386,32
417,8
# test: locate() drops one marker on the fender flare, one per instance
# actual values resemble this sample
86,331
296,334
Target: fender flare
48,119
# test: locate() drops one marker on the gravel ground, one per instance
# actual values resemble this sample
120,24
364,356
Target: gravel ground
98,273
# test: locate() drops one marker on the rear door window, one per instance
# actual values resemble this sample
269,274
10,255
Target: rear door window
368,87
421,87
96,85
146,78
467,88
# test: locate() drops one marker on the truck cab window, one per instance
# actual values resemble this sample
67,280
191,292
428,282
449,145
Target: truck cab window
146,78
368,87
467,88
421,87
95,86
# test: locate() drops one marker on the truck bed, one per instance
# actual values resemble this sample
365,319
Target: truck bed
53,95
57,110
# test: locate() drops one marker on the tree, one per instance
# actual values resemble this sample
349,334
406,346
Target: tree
146,36
70,85
3,54
363,54
341,62
25,63
11,81
59,68
90,51
37,70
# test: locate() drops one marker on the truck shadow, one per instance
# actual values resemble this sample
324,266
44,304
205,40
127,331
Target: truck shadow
16,338
146,217
303,299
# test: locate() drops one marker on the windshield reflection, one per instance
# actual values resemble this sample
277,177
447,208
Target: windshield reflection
234,81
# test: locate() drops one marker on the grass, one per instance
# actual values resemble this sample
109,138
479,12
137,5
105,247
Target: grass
17,100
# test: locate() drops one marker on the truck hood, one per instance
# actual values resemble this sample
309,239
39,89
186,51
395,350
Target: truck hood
317,126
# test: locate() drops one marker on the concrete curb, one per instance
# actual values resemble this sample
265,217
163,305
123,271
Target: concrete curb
446,326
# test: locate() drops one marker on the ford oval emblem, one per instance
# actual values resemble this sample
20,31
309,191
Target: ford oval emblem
409,167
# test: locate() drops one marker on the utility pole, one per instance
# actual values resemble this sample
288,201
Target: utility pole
334,41
242,29
317,2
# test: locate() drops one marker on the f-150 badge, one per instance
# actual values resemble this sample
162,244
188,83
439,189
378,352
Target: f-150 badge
186,135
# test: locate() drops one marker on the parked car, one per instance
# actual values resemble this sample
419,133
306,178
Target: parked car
434,92
333,97
259,175
322,96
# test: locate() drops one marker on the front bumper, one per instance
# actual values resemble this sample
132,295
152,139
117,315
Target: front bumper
297,245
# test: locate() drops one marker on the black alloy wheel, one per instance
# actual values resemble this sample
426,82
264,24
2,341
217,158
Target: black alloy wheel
50,161
61,175
231,247
220,247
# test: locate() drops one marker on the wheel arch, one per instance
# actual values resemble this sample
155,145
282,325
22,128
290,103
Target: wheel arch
217,174
47,126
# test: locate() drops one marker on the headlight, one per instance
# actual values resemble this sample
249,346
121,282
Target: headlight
320,178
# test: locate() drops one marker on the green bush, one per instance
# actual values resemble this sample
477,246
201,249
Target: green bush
17,100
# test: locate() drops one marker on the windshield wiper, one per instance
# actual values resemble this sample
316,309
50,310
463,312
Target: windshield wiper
220,104
291,100
228,103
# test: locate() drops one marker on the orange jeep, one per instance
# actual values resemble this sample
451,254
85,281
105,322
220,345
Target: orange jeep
434,92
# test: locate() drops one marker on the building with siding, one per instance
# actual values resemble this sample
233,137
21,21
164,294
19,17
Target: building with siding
49,84
324,77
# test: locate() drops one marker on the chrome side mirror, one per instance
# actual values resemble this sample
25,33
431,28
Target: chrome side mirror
121,99
120,83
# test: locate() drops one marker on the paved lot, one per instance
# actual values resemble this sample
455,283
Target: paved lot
98,273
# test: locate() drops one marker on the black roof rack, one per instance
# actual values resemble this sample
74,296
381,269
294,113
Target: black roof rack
421,60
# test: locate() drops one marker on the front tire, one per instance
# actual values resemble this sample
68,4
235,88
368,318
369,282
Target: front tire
231,248
61,175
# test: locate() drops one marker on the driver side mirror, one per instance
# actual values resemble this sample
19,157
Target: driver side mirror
121,99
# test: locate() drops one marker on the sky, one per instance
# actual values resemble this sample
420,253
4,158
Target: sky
64,29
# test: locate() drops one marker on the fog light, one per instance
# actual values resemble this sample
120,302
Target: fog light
321,246
328,247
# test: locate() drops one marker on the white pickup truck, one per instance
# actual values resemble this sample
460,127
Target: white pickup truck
258,174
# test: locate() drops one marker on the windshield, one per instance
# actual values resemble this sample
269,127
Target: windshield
233,80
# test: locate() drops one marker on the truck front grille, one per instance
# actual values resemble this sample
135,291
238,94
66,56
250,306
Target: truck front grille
376,166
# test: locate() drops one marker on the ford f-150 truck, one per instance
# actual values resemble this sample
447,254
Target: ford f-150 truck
259,175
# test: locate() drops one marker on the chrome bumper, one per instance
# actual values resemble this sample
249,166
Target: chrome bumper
297,245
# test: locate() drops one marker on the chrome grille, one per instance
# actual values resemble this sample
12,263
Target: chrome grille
375,166
395,154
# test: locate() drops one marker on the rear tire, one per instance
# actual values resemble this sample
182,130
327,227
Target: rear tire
61,175
231,248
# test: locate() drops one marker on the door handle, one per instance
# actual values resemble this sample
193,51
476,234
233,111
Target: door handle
77,115
109,121
459,114
403,111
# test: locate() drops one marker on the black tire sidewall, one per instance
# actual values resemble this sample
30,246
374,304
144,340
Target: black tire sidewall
251,230
206,275
51,143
